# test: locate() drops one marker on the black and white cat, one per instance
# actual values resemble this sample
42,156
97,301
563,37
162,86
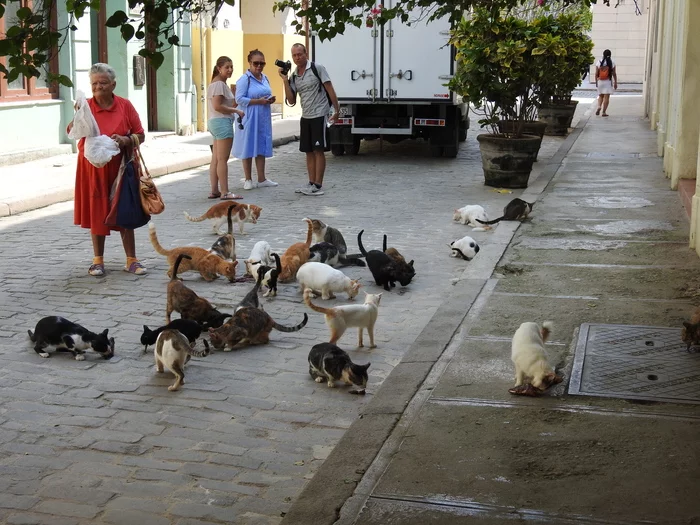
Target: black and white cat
67,336
515,210
324,252
270,275
261,254
327,234
329,363
466,248
187,327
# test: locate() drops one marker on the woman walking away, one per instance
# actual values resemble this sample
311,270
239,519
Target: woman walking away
117,118
254,141
221,105
606,81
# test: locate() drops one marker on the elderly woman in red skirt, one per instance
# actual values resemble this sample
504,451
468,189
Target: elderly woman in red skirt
117,118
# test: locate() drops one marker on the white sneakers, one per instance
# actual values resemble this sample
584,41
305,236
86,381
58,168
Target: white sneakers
313,190
267,183
308,187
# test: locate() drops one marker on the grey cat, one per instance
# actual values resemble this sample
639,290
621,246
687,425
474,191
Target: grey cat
515,210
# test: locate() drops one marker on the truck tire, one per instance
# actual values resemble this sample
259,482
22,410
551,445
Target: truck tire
354,148
450,152
462,131
436,151
338,150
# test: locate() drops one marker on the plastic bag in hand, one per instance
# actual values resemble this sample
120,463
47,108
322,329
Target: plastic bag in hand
100,150
84,123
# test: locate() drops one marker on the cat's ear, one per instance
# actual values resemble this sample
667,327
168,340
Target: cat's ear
411,263
146,329
106,330
450,245
365,367
687,325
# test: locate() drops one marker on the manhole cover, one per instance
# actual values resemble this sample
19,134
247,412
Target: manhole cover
635,362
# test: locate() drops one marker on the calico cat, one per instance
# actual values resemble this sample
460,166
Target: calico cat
470,214
530,360
190,329
327,234
466,248
217,213
248,325
209,265
259,255
515,210
691,331
296,255
385,270
340,318
173,351
270,275
321,277
67,336
189,304
225,246
329,363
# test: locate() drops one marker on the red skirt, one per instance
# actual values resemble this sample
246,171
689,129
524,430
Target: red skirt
92,187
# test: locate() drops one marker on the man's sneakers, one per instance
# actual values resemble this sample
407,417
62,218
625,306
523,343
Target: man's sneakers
312,190
308,187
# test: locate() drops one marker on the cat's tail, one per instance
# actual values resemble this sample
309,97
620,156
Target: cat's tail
384,244
359,243
352,260
546,330
278,263
490,222
309,233
228,218
154,239
291,328
320,309
195,219
32,337
199,353
177,264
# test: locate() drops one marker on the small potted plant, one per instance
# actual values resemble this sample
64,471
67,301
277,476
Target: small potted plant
496,73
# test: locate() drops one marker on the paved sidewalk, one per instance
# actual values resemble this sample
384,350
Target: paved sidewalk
444,443
35,184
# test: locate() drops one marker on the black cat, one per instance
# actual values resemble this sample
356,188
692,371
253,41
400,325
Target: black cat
67,336
385,270
190,329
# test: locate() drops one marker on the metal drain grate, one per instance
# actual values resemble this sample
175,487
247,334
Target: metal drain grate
635,362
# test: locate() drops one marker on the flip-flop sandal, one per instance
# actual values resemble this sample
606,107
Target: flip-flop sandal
214,195
97,270
230,196
597,111
605,114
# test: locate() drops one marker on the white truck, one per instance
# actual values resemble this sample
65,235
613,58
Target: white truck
390,81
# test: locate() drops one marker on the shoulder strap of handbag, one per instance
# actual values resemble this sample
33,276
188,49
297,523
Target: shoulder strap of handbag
138,157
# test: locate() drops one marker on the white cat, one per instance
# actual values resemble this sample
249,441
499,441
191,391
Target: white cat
322,278
469,214
340,318
173,350
260,255
529,358
466,248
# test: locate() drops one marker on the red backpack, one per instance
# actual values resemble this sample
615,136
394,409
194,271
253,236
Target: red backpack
604,73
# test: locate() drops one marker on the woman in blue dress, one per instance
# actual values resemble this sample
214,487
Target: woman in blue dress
254,97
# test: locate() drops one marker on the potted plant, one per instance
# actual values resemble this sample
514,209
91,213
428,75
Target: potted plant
496,73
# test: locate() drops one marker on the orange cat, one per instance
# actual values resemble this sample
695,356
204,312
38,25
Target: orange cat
296,255
241,214
208,264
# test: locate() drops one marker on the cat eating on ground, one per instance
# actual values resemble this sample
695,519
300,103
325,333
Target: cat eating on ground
218,212
173,351
225,246
67,336
251,299
270,275
328,281
385,270
530,360
259,255
691,331
472,215
327,234
190,329
329,363
515,210
189,304
465,248
248,326
340,318
294,256
209,265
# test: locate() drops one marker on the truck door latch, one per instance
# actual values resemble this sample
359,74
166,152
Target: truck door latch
408,74
355,75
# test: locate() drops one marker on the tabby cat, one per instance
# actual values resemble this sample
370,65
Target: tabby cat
218,212
225,246
248,325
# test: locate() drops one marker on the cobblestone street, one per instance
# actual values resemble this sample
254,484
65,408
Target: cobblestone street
99,441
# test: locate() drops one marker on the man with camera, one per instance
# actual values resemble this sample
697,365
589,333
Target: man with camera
311,82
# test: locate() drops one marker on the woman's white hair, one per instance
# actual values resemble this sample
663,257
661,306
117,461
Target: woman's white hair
106,69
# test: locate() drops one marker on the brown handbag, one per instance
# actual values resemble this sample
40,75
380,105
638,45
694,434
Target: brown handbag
151,200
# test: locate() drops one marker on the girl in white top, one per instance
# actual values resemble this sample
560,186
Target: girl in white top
606,81
221,105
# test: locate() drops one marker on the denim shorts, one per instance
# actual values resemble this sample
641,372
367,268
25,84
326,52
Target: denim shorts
221,128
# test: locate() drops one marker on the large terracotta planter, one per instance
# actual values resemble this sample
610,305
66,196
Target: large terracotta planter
530,127
507,162
558,117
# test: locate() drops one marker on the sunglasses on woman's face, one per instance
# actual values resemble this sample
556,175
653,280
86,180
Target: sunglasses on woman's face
259,64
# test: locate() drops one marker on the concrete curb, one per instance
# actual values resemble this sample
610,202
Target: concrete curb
32,203
334,483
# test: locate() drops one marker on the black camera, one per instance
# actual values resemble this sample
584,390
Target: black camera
284,66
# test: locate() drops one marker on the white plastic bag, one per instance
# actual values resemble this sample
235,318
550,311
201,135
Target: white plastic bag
99,149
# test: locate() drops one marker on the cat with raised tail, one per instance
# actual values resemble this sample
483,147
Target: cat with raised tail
329,363
472,215
515,210
328,281
296,255
67,336
242,213
340,318
530,360
385,270
173,351
269,276
225,246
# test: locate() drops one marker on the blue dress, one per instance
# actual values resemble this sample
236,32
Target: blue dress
256,136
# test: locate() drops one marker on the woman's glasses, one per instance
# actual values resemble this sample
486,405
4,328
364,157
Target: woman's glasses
259,64
240,122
